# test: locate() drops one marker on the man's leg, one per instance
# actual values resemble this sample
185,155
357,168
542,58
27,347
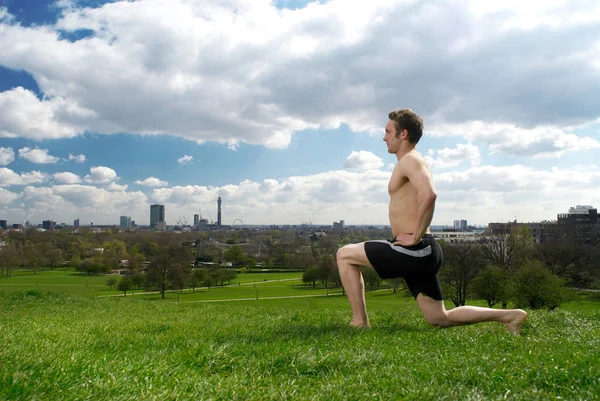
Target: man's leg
349,258
435,312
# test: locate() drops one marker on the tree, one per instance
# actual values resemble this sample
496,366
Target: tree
111,282
125,284
235,254
311,275
536,287
166,268
462,263
326,267
9,258
492,285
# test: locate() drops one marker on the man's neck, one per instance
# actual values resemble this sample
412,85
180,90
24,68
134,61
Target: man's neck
403,151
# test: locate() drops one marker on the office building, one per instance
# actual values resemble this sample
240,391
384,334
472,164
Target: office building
76,223
3,224
338,227
125,222
48,224
580,224
157,215
196,220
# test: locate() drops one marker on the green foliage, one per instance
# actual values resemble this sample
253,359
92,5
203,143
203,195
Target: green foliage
311,275
111,282
492,285
536,287
125,285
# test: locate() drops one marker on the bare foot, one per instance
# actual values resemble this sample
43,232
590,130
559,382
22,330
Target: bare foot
360,324
515,321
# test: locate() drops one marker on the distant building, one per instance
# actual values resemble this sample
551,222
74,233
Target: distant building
76,223
3,224
219,211
460,225
48,224
338,227
202,225
125,222
196,220
581,224
161,226
157,215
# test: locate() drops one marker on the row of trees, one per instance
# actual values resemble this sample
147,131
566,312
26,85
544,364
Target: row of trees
497,269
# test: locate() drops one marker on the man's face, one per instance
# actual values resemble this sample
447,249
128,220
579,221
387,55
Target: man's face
393,143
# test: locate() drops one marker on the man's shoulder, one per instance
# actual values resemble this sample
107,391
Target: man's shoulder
412,158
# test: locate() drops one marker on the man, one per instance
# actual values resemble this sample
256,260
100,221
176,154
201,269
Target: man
413,253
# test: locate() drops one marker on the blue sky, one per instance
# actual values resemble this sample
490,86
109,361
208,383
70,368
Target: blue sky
279,107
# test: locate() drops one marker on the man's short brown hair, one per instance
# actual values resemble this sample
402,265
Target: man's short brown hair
410,121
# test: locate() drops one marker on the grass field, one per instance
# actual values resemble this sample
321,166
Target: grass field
59,346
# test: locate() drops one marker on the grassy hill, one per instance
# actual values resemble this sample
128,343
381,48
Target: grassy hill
57,346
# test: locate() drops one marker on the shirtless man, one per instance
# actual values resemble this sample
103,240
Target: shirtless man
413,253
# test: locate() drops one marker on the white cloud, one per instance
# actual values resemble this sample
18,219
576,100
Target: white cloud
22,114
7,156
40,156
152,182
8,177
78,158
185,159
537,142
67,178
363,160
101,175
246,72
7,197
480,194
453,157
116,187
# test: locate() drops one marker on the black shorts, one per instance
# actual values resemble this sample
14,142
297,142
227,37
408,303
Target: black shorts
417,264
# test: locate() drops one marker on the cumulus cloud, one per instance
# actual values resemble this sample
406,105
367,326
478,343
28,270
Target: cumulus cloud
363,160
101,175
78,158
447,157
22,114
7,197
8,177
246,72
67,178
40,156
185,159
479,194
116,187
152,182
7,156
537,142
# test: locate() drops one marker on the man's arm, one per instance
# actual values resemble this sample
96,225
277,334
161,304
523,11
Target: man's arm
421,178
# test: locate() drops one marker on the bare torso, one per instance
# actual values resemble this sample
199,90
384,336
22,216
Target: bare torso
404,206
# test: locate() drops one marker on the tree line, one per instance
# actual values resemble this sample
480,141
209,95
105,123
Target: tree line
497,269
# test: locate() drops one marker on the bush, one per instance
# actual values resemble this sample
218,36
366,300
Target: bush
536,287
491,285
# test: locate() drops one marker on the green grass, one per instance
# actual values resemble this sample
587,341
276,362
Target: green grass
68,347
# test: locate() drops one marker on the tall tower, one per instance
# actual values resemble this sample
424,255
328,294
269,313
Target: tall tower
157,214
219,211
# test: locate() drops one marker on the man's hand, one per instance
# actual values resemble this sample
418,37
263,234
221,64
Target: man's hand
406,240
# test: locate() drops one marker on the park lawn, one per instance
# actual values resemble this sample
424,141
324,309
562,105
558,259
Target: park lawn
67,280
64,347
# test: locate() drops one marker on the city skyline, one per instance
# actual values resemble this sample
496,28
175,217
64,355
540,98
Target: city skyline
279,107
